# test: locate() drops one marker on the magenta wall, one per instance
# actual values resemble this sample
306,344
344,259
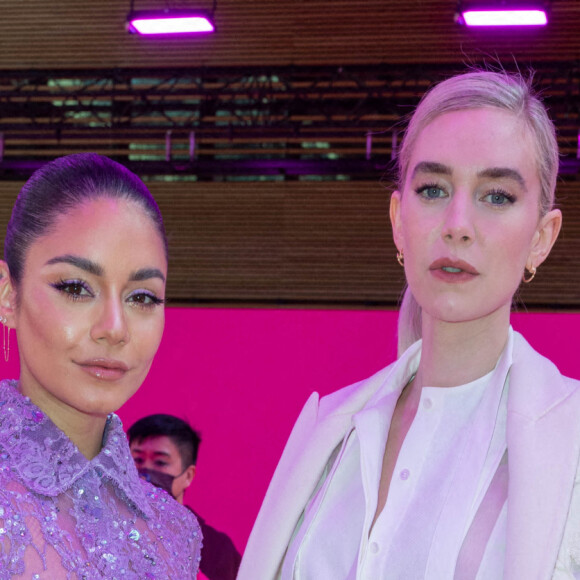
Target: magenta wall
241,376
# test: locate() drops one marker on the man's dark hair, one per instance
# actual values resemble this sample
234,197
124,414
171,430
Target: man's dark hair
180,432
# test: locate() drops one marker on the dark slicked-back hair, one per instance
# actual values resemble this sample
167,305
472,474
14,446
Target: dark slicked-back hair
183,436
60,186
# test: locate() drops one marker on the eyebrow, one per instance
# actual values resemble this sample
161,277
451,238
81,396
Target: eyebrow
139,450
491,172
502,173
431,167
147,274
82,263
94,268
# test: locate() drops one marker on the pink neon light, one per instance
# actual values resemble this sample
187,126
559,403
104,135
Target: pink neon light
172,25
505,18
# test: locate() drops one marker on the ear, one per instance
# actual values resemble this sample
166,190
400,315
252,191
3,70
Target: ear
189,474
7,295
395,215
544,238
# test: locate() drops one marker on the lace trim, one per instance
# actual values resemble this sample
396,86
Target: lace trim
46,461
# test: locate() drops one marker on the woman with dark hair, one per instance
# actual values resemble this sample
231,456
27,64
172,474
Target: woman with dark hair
459,460
83,286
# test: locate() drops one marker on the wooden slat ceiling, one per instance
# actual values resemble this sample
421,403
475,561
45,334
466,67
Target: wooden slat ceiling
91,34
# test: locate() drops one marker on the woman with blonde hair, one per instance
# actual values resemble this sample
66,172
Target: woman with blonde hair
459,460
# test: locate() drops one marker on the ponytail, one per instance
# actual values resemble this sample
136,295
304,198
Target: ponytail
409,326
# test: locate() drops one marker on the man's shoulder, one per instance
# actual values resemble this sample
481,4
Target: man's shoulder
210,533
220,558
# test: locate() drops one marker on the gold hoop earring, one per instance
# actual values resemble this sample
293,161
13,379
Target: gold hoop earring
401,258
532,271
5,338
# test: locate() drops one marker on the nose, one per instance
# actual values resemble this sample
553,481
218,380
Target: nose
458,225
111,323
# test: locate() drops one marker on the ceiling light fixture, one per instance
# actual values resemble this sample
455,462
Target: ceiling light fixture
503,13
170,21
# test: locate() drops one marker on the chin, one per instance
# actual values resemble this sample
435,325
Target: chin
448,309
102,406
454,312
466,313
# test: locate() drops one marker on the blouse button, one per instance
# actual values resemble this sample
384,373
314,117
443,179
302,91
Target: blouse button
374,547
427,403
404,475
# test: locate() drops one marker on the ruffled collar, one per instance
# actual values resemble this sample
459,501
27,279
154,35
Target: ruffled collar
48,463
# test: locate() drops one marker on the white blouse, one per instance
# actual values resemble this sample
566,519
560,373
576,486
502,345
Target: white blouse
443,470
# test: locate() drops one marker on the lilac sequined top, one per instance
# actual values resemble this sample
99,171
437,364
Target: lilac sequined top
63,516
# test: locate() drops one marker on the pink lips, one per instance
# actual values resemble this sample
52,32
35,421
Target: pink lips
450,270
104,369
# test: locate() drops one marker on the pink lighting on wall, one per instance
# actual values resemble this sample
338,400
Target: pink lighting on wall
519,17
241,376
169,22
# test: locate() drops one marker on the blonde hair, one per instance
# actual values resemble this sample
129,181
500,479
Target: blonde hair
475,90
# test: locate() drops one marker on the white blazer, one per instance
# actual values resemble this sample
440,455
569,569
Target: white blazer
543,439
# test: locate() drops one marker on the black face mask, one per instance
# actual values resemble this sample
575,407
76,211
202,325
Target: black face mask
157,478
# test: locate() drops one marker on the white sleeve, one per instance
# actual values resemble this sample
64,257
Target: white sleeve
568,562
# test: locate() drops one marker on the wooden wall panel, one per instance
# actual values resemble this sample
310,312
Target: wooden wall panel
72,34
307,243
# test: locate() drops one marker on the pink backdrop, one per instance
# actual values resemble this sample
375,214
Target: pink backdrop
240,376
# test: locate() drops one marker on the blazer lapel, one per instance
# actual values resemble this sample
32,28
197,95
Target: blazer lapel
287,494
318,430
543,437
306,453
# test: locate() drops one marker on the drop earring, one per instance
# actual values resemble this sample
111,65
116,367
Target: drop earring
5,338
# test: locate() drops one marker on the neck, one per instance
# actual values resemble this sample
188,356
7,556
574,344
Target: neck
457,353
85,431
87,435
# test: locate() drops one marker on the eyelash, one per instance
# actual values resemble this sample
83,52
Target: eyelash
66,287
155,300
423,188
497,191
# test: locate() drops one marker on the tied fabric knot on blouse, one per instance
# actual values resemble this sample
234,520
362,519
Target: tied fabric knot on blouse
64,516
